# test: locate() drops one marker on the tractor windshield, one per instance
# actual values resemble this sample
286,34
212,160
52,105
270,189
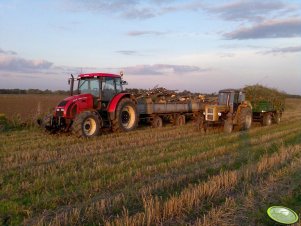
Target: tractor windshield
89,85
223,98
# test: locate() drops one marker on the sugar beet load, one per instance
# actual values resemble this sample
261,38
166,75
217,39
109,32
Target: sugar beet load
268,104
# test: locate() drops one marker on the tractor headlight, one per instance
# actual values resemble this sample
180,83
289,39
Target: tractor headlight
219,114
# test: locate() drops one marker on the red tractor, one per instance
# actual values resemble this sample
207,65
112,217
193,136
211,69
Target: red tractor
99,103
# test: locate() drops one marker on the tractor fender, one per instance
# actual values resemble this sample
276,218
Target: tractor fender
115,101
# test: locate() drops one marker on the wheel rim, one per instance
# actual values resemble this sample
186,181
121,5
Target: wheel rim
89,126
128,117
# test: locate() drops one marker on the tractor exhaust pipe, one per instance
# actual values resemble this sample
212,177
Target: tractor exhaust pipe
71,83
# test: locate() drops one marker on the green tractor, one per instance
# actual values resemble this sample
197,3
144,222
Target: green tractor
231,111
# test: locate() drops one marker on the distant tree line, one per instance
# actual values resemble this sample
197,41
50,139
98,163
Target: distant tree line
33,91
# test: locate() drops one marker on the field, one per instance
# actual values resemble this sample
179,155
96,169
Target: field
166,176
27,107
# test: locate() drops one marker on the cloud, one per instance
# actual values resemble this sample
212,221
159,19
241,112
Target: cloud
283,28
141,33
294,49
8,52
250,10
17,64
131,9
127,52
162,69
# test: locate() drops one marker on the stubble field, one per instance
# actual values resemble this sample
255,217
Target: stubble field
167,176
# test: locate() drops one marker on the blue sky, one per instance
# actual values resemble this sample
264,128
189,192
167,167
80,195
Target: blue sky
200,45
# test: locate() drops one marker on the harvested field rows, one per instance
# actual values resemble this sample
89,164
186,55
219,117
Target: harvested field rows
169,176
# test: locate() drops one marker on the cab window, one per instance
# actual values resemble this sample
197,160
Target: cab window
89,85
108,88
118,85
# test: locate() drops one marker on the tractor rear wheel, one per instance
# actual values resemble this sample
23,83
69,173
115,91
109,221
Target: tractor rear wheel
157,122
86,124
267,120
126,117
245,119
228,126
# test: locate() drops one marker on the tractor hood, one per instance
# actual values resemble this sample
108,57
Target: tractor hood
73,105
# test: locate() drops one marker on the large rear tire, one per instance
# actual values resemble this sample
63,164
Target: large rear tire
267,120
126,117
245,119
86,124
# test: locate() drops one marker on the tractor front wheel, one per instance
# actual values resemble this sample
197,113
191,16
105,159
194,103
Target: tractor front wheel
86,124
245,119
228,126
126,118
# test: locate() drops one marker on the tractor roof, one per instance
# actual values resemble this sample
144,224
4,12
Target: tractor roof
230,90
98,74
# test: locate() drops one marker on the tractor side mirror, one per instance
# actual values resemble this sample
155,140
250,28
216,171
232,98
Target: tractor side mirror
69,81
124,82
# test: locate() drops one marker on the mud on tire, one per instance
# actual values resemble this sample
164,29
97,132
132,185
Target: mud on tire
126,117
86,124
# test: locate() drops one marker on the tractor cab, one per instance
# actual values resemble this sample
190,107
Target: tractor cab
103,87
231,98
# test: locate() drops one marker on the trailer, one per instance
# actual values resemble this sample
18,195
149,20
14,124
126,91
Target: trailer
268,104
177,112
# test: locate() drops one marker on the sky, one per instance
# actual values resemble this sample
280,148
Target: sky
197,45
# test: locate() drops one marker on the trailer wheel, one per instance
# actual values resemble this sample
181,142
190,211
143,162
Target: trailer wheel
228,126
266,120
86,124
157,122
245,119
180,120
277,118
126,116
199,121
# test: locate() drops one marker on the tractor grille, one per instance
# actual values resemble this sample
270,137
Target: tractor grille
210,110
210,114
209,117
59,112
